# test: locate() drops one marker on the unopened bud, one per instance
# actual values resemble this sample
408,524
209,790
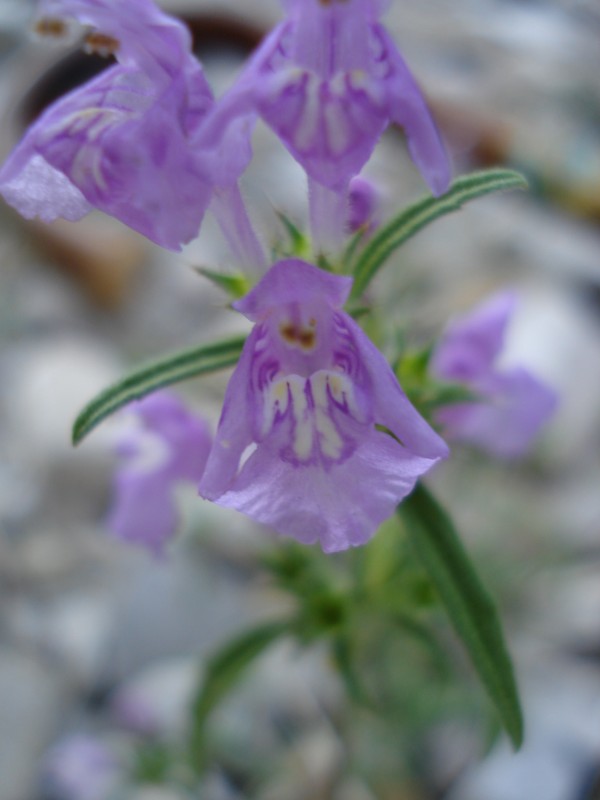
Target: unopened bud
364,202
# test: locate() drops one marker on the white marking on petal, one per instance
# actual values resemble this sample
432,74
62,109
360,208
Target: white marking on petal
309,122
248,451
323,383
318,385
276,401
358,79
316,407
342,392
75,123
337,385
89,123
87,164
303,429
337,85
105,119
286,78
336,128
146,451
329,439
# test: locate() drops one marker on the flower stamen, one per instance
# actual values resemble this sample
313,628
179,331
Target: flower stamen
101,44
297,336
51,26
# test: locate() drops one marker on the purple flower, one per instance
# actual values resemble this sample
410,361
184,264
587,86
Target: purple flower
81,767
299,447
169,445
328,80
123,143
514,404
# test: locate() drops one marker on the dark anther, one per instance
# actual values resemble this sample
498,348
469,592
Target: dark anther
48,26
101,44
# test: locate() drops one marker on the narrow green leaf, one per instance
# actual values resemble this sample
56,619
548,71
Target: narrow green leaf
469,606
222,673
164,372
412,219
235,285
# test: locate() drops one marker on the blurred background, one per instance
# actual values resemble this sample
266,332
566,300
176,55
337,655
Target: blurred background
99,643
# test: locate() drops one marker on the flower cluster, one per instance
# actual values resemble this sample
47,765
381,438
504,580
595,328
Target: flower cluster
316,438
147,143
126,142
